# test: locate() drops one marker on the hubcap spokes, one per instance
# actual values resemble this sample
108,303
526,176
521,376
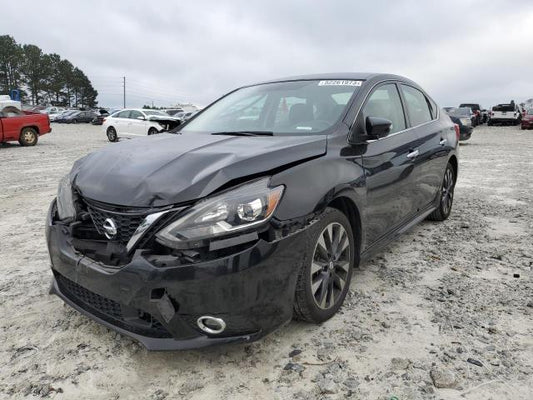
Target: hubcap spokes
330,265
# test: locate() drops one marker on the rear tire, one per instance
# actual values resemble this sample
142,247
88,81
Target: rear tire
28,137
112,134
324,278
447,188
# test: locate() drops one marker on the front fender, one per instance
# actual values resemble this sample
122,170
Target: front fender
310,187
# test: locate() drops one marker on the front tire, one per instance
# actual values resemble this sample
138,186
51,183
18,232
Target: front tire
444,208
324,278
152,131
28,137
112,134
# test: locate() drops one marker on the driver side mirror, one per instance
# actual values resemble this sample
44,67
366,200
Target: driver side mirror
377,128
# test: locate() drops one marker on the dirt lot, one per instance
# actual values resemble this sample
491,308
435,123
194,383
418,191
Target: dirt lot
450,304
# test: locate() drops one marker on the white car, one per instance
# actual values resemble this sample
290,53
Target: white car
505,114
137,122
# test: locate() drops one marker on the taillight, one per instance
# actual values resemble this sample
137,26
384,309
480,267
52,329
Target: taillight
457,131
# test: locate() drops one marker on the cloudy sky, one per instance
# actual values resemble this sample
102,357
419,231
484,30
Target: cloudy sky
170,51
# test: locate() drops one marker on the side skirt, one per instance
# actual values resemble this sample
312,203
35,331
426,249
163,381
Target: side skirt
390,237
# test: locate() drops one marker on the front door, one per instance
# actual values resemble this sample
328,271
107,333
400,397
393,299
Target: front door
137,126
388,163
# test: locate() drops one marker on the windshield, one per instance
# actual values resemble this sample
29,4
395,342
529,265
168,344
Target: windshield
154,112
296,107
529,111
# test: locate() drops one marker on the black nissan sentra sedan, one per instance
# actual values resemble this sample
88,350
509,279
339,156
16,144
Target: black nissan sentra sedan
255,211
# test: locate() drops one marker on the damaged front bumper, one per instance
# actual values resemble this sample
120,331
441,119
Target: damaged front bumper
251,291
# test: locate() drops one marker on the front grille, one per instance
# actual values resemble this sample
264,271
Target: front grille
109,310
126,223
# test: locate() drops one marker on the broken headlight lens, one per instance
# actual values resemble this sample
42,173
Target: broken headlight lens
65,200
239,209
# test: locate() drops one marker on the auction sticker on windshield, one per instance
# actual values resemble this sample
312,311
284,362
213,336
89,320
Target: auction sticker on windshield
340,83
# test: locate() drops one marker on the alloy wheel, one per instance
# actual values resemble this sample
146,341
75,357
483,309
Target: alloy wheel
330,265
447,191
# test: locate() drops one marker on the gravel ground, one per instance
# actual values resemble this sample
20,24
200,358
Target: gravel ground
445,312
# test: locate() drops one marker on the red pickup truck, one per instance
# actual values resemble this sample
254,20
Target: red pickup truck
22,126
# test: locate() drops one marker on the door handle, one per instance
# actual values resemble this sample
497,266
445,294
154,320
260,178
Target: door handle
413,154
443,142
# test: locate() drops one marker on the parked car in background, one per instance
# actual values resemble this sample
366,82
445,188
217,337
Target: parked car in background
505,114
256,211
138,122
464,113
58,117
188,115
461,116
527,119
6,101
22,126
100,116
476,110
78,116
52,110
173,111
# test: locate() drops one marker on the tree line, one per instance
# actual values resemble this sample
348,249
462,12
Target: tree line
42,78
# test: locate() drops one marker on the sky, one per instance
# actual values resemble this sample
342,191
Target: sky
459,51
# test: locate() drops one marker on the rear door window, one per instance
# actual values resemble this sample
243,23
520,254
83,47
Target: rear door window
123,114
417,105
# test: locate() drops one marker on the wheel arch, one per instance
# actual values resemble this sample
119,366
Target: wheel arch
455,164
35,127
348,207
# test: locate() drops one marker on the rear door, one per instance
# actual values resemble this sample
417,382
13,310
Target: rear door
433,146
120,122
388,164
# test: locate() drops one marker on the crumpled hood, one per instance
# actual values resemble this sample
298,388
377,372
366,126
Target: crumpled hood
175,168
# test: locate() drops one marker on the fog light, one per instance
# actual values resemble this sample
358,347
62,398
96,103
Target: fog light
211,325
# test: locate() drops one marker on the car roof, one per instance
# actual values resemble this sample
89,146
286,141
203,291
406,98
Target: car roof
139,109
366,76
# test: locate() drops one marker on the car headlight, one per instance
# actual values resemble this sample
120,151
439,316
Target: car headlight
245,207
65,200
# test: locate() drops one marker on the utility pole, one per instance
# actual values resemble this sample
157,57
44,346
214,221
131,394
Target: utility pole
124,86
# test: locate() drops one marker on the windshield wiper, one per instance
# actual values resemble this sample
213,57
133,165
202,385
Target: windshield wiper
245,133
